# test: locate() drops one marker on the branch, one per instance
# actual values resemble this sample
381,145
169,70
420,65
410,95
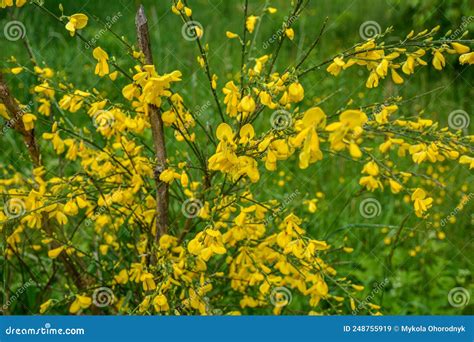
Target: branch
16,122
244,38
162,196
315,43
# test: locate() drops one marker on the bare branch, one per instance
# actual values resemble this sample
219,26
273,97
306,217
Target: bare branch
16,121
157,130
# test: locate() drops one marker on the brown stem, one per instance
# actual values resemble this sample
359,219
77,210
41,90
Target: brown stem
16,121
157,130
244,45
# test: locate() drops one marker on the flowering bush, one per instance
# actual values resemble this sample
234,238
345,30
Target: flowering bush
160,212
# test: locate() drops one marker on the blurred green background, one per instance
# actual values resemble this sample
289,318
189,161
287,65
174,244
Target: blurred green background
418,284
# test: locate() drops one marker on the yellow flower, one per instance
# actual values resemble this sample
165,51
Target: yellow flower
122,277
54,253
44,72
344,132
179,6
167,241
198,30
160,303
313,119
246,134
373,80
467,58
290,33
421,202
130,91
169,117
102,68
232,98
296,92
353,118
358,287
266,100
184,179
167,176
395,186
312,205
45,306
3,112
29,121
336,66
371,168
438,60
352,302
231,35
147,282
81,302
382,68
214,81
408,66
113,75
247,104
46,89
467,160
259,63
396,78
76,22
371,183
460,48
250,23
16,71
45,107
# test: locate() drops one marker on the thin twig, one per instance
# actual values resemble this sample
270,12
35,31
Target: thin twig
315,43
